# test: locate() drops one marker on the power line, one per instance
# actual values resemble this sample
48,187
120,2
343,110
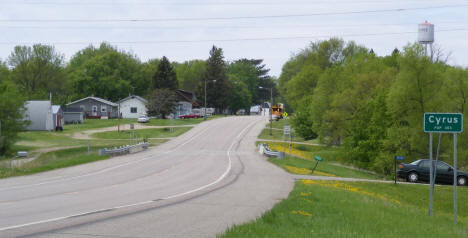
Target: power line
236,17
289,26
232,40
190,3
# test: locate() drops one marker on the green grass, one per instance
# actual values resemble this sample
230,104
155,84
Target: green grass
324,166
143,133
89,124
347,209
327,153
54,160
33,140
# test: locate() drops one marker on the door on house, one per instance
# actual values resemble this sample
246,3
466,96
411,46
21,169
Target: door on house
103,110
94,111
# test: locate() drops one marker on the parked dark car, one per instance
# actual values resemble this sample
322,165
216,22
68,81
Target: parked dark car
419,171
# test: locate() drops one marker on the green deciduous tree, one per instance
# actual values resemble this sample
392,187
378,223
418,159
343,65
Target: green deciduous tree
4,71
38,71
240,97
11,114
107,72
161,102
190,76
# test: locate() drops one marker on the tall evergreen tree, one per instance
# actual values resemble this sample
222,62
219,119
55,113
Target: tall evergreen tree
165,77
218,86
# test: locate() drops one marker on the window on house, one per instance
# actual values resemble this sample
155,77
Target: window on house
133,110
103,109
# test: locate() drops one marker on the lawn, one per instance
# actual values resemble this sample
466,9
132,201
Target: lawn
90,124
31,140
143,133
352,209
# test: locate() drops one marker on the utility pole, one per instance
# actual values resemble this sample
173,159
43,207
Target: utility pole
271,111
204,117
205,96
271,108
118,118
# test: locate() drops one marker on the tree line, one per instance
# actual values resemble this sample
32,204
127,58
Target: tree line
343,94
35,72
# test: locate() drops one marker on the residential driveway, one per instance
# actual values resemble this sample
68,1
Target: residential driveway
196,185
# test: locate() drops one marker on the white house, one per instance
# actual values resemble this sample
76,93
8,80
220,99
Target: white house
133,107
39,113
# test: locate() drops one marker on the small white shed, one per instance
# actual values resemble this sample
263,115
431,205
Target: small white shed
39,113
133,107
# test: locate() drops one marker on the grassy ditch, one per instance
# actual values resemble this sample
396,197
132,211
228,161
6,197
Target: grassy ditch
53,160
300,160
352,209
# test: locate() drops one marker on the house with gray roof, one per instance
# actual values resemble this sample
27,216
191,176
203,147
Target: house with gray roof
94,107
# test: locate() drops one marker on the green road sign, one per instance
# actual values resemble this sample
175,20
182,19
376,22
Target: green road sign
285,114
443,122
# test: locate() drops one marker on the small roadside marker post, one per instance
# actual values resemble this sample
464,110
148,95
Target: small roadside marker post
398,157
317,160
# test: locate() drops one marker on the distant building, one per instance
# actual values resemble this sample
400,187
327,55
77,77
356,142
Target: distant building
133,107
39,113
185,102
94,107
57,117
73,115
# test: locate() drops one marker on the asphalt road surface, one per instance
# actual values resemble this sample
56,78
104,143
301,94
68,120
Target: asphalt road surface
196,185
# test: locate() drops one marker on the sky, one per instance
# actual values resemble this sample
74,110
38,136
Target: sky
272,30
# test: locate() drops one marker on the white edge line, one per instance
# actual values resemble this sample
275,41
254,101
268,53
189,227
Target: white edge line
228,169
106,169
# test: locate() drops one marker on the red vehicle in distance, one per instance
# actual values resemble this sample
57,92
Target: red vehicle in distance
188,116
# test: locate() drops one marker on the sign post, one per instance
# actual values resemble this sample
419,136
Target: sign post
443,123
398,157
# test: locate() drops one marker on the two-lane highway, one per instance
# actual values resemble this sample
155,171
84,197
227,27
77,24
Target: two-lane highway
212,159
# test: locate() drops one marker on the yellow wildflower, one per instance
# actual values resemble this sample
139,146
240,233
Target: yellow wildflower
301,213
347,187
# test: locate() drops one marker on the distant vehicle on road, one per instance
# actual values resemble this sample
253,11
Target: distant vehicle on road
419,171
277,111
188,116
255,110
143,119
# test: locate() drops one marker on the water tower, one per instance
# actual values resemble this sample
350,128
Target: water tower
426,35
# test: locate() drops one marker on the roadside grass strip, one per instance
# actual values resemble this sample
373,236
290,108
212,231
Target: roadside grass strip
302,162
359,209
304,171
54,160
